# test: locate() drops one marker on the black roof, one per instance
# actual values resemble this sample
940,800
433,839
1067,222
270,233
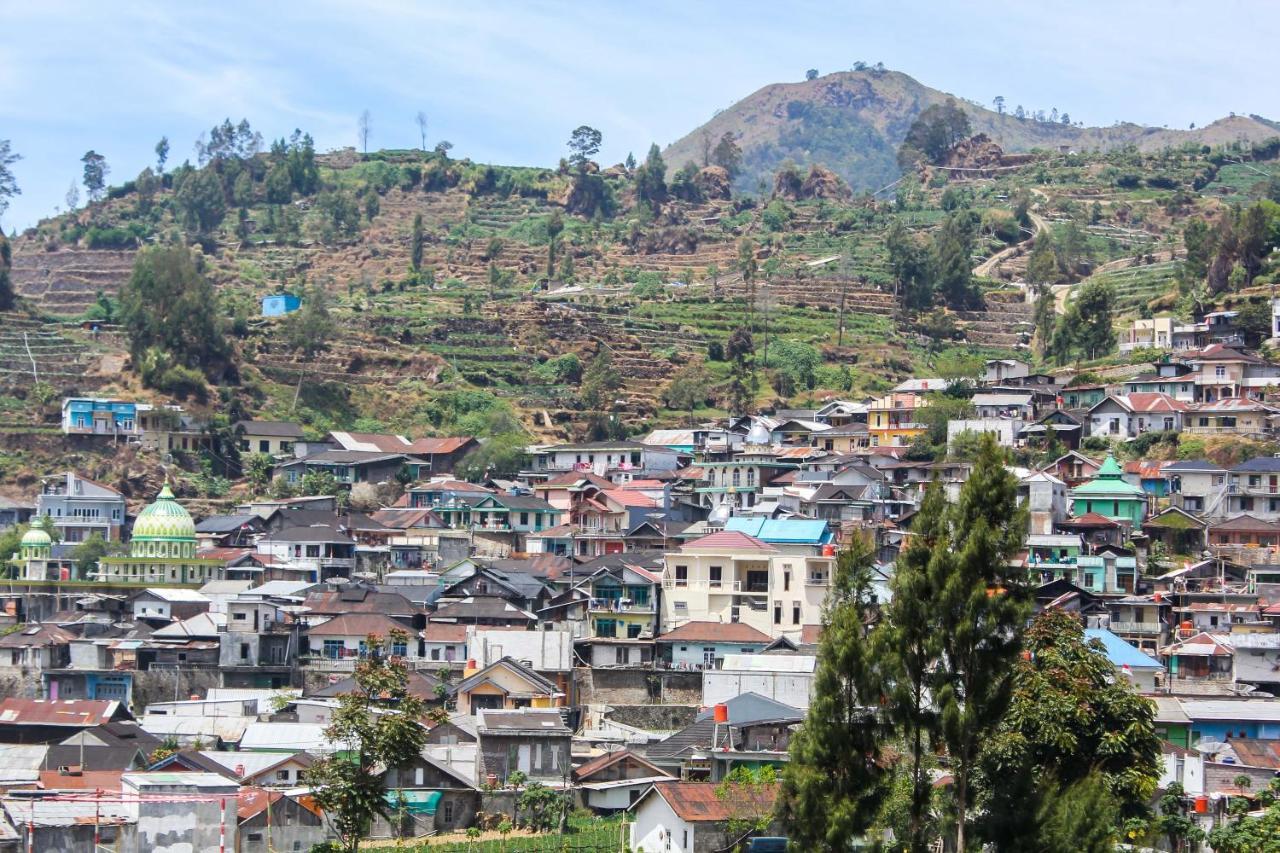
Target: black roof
276,429
227,523
1262,464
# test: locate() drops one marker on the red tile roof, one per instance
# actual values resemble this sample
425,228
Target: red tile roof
253,800
696,802
81,713
715,632
1147,401
630,498
730,540
570,478
1090,519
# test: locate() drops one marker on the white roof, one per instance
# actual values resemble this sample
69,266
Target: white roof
285,589
1253,710
15,757
200,625
913,385
252,762
668,436
236,694
224,728
1054,540
1002,399
287,737
46,812
769,663
177,594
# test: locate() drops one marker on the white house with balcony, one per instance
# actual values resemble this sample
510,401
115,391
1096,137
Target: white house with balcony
316,553
734,577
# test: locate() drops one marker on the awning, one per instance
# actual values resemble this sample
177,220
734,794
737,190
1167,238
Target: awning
414,802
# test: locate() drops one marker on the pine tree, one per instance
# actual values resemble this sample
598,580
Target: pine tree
415,244
981,608
908,644
833,786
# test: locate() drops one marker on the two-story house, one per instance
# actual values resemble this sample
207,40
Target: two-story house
99,416
313,553
348,467
1223,371
733,577
1130,415
534,742
1198,486
1233,416
618,461
892,419
1254,487
274,438
80,507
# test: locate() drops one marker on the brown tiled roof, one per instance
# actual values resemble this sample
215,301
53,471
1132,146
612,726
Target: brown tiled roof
1254,752
714,632
43,635
696,802
810,635
334,603
1246,523
357,625
444,632
569,478
599,763
1090,519
106,780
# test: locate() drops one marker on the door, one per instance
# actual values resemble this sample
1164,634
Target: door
525,762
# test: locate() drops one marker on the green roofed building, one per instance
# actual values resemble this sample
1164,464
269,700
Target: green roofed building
163,549
1109,495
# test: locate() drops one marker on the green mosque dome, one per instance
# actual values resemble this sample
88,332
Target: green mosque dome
36,538
164,521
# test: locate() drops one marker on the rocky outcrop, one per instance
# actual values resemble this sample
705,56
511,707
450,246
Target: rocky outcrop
714,183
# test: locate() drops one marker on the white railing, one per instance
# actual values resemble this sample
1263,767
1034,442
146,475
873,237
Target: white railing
1136,628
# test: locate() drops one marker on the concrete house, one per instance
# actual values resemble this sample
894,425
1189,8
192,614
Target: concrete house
705,645
506,684
1197,486
275,438
1130,415
97,416
687,817
535,742
614,781
80,507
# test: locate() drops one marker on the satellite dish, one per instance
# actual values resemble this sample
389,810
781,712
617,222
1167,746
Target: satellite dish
1209,747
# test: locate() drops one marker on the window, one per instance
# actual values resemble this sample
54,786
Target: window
418,775
282,775
435,654
244,651
524,519
680,606
795,613
1220,371
708,655
715,577
448,812
682,575
786,580
264,446
400,649
777,613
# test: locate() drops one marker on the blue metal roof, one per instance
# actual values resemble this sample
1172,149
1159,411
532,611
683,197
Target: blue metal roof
784,530
1120,652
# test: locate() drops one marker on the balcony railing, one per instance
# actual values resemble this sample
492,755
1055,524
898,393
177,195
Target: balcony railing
1148,628
723,587
817,580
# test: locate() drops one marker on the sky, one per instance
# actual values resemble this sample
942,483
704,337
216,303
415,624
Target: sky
506,82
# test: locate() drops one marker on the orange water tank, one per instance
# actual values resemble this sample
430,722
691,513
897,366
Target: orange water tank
722,713
1202,805
828,550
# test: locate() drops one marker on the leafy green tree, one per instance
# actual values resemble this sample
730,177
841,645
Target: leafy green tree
1042,266
1254,322
689,388
1073,717
318,482
1080,818
1044,317
8,184
1252,833
909,264
89,552
584,143
10,542
1174,821
311,328
600,381
379,726
834,783
983,602
95,174
727,155
257,469
1086,326
555,225
201,205
935,131
502,455
953,248
339,215
416,240
740,351
796,363
46,524
651,178
168,305
540,807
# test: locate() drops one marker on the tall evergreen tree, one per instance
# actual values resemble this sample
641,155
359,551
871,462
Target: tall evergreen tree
833,786
7,296
953,260
415,244
981,608
908,645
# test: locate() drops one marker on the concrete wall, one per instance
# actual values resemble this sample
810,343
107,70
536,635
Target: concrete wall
161,685
637,687
1218,776
789,688
654,717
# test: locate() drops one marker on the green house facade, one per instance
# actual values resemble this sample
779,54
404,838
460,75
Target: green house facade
1109,495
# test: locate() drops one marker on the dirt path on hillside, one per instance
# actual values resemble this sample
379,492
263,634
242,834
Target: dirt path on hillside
987,267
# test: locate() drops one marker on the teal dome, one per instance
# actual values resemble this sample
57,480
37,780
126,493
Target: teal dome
36,538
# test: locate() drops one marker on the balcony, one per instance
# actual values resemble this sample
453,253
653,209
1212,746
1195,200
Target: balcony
1153,629
817,580
601,605
717,587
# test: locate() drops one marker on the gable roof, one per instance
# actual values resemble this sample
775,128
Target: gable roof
1245,523
602,762
72,713
1255,752
730,540
357,625
715,632
522,721
274,429
697,802
1193,465
510,664
1120,652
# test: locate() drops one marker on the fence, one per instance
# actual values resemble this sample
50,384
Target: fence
597,836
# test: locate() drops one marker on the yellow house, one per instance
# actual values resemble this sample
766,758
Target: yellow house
891,420
843,439
505,684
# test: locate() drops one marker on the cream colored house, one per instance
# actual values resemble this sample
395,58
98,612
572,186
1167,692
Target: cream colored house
733,577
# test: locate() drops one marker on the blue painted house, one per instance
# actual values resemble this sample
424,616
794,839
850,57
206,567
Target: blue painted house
279,304
98,416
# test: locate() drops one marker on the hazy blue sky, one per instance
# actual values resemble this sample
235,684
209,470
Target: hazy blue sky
506,82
